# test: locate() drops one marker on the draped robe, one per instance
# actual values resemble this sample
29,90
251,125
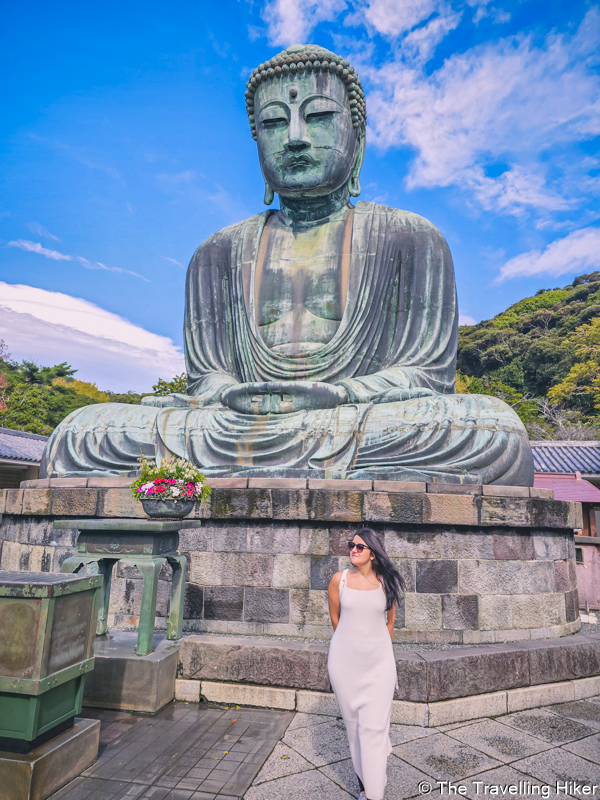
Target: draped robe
399,329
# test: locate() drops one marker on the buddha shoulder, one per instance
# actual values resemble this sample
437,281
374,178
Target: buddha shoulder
402,222
222,241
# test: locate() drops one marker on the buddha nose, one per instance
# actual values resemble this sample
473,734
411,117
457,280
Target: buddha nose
297,138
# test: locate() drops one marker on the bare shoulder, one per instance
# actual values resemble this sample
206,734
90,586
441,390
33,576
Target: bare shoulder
334,583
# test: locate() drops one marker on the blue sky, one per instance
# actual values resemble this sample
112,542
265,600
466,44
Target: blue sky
124,144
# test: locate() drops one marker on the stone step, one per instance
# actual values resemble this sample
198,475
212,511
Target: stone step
423,675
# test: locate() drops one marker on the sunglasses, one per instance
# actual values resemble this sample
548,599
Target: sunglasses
359,547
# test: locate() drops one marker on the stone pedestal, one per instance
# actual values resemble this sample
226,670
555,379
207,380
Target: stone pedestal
481,564
124,680
42,772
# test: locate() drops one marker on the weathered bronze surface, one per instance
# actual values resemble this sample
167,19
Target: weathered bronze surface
321,338
145,544
47,624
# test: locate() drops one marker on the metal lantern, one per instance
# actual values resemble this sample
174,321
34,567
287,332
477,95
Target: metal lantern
47,629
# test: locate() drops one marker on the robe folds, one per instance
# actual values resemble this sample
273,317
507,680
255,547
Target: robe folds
399,329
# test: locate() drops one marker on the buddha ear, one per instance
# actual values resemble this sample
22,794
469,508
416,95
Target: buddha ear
353,182
269,194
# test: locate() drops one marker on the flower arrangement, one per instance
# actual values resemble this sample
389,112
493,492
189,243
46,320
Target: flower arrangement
174,479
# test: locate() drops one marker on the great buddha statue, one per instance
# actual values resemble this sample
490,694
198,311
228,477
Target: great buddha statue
320,339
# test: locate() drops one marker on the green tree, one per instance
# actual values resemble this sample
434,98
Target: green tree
177,385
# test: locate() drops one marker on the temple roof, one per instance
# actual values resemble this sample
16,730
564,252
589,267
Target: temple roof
19,446
567,457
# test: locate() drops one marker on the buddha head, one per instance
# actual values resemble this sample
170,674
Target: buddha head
307,114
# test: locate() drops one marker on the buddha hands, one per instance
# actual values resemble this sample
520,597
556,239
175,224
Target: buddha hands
283,397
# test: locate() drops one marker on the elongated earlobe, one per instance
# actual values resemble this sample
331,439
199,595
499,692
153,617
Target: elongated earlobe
354,186
269,194
353,182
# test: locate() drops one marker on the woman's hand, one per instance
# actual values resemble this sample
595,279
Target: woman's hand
283,397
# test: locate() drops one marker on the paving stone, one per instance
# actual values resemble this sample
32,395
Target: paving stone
444,758
282,761
305,785
547,726
302,720
581,711
506,777
513,545
229,538
437,577
406,733
559,765
496,741
322,744
588,748
407,569
562,582
402,779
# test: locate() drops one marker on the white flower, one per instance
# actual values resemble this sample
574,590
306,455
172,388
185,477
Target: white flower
175,491
147,486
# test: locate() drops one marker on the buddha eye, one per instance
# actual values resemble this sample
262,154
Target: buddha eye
272,122
315,116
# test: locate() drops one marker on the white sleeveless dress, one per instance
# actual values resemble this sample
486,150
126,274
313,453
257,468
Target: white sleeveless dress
362,671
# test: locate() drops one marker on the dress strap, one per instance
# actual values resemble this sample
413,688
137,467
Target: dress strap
343,581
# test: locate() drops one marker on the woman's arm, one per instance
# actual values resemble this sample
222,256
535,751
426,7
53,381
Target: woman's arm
333,594
391,618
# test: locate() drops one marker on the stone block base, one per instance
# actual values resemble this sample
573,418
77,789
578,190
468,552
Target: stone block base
41,773
480,564
121,679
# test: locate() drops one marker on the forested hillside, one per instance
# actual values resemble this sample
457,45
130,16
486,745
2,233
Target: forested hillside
541,355
36,399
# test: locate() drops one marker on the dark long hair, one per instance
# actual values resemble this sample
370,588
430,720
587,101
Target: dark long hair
383,566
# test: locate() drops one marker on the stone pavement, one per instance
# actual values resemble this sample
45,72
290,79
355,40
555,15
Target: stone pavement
189,752
527,750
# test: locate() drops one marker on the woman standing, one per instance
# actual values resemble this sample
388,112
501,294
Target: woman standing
362,668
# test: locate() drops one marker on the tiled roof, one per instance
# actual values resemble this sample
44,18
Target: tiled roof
567,457
568,487
21,446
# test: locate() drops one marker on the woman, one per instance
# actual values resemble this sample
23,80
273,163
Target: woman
362,668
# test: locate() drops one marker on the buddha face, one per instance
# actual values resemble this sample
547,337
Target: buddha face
306,142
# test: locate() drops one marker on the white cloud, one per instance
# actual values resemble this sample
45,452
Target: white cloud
35,227
99,265
502,105
465,319
36,247
577,252
291,21
173,261
392,18
50,327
